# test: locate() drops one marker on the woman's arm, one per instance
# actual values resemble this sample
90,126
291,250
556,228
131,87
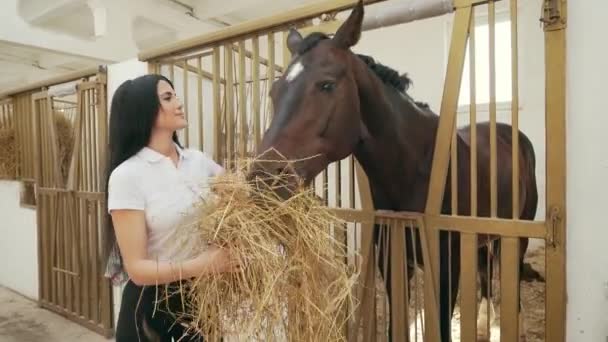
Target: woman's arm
132,239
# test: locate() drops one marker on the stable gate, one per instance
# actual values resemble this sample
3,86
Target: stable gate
71,204
224,77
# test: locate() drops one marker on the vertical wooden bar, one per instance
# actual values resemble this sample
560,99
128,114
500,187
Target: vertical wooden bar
270,69
171,72
454,169
229,73
78,256
515,107
94,260
468,287
366,289
87,135
216,106
28,130
242,102
186,107
493,161
201,119
102,117
67,247
42,275
399,305
255,66
555,137
95,140
441,156
509,289
86,279
473,115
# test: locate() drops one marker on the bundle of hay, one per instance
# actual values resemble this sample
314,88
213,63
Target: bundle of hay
9,147
64,132
296,285
8,153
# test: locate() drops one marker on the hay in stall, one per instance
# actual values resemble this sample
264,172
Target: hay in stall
295,286
64,132
8,154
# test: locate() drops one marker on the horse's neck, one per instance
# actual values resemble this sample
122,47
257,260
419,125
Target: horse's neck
398,153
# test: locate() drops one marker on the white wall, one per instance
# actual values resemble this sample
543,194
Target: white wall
19,242
587,172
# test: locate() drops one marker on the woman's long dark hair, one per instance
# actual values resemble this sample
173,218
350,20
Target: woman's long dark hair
133,112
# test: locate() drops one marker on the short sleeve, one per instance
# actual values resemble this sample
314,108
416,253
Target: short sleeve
124,191
214,169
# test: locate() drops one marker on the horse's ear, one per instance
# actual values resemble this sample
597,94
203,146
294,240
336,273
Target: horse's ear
350,31
293,40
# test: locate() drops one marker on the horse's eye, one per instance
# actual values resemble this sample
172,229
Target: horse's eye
327,86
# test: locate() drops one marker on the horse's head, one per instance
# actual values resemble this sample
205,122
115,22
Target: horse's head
316,104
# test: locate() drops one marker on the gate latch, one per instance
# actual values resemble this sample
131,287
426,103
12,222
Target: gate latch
553,14
555,218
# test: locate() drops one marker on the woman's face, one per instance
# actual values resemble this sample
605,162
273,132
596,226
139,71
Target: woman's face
171,116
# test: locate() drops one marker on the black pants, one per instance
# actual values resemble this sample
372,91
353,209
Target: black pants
138,320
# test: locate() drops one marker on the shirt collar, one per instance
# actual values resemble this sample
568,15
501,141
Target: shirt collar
153,156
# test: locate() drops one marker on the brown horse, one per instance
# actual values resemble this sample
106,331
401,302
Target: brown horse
331,103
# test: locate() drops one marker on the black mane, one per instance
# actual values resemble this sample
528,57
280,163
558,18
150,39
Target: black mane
387,74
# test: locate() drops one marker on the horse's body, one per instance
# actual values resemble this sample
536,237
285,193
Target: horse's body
331,104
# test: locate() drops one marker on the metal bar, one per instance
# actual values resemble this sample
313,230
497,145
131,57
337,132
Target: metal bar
509,289
431,290
263,60
79,255
250,28
201,118
405,12
270,69
491,226
473,115
68,77
515,107
66,243
185,90
366,291
242,102
86,278
255,69
454,168
216,105
229,109
492,105
193,69
468,287
171,72
441,155
93,260
399,304
90,118
555,137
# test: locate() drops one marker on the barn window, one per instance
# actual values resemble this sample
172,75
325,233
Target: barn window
482,66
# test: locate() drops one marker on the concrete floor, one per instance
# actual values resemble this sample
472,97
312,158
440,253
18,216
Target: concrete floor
21,320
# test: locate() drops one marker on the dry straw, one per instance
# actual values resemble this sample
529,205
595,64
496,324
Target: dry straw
64,132
296,285
8,153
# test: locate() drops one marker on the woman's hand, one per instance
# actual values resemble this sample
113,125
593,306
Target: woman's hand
218,260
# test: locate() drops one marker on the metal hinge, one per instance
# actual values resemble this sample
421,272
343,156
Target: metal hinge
555,218
553,14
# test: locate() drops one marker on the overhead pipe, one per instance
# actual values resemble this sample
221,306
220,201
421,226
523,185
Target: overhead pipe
405,11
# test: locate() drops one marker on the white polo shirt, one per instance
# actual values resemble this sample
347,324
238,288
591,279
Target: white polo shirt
151,182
